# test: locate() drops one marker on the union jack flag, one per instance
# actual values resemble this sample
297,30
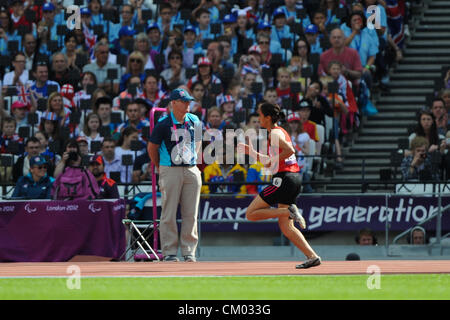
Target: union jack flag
24,95
90,39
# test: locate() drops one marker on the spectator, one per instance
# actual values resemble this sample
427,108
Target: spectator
123,147
284,76
426,127
62,72
135,67
280,29
300,140
37,184
142,45
142,169
87,79
228,55
135,120
20,111
40,85
108,187
112,163
154,34
304,111
321,107
295,66
206,76
244,28
271,95
220,67
152,92
45,149
19,76
91,129
127,18
8,32
191,46
319,19
362,40
9,135
22,165
203,18
70,49
366,237
227,108
103,107
178,183
418,164
175,75
198,92
71,146
417,236
331,7
120,45
83,145
29,49
352,68
440,115
51,126
214,119
312,40
100,67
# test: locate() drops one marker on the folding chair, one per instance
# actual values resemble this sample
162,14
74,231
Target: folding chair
151,224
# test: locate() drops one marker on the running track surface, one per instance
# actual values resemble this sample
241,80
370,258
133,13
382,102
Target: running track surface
203,268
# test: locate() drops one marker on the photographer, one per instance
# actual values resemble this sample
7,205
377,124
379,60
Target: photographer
419,164
70,157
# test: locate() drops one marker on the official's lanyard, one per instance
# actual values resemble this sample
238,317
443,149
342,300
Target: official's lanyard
176,136
358,44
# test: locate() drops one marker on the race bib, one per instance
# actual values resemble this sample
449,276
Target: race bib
277,182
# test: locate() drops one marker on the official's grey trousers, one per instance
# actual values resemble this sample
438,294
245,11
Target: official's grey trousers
179,185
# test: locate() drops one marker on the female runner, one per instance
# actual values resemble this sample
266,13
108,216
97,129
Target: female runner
286,184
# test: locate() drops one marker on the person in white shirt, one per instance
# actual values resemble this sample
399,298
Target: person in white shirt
19,76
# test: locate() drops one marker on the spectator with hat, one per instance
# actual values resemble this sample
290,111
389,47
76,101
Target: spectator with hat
206,76
179,177
37,184
229,30
127,19
154,34
313,38
19,111
108,187
126,33
280,29
191,46
50,125
48,23
22,165
303,110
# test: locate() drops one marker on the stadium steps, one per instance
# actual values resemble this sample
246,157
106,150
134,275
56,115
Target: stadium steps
412,80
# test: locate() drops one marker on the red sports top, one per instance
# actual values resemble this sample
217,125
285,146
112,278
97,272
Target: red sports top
289,164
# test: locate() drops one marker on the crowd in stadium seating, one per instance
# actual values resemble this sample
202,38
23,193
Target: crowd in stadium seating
95,82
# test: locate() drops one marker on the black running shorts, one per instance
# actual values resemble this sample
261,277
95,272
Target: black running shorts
285,188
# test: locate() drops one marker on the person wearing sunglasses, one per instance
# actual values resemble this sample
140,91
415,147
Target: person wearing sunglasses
175,74
36,184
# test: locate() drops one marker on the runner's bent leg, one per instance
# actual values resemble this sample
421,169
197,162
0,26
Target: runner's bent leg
261,210
294,235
